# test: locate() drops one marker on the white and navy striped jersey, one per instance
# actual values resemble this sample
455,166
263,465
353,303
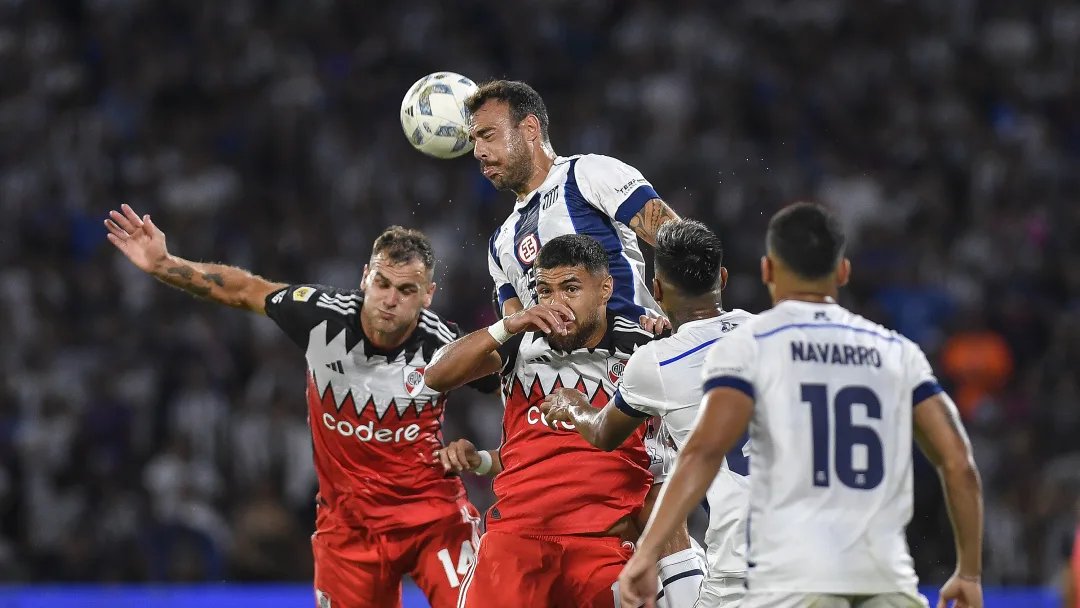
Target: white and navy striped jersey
586,194
662,379
830,447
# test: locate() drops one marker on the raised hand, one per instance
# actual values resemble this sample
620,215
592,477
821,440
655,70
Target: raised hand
547,318
137,238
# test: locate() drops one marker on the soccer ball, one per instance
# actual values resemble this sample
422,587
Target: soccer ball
434,117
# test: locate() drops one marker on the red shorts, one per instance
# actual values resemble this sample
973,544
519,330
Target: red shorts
555,571
355,569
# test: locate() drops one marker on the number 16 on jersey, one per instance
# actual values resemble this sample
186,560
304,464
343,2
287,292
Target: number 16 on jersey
846,437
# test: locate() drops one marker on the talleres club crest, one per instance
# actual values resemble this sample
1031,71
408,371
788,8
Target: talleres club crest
528,249
414,380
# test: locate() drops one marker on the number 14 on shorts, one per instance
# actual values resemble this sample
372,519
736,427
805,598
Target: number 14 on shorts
464,562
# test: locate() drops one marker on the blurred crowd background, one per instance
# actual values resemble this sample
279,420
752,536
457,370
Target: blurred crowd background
145,435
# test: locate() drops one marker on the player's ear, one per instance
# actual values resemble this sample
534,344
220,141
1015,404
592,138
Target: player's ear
766,270
606,288
843,272
363,278
723,278
429,294
531,126
657,290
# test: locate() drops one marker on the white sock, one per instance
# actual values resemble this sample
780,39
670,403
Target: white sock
680,577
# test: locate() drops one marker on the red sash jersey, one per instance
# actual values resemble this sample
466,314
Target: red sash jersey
553,482
374,423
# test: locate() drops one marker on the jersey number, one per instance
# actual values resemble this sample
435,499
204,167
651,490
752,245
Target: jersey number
464,562
848,435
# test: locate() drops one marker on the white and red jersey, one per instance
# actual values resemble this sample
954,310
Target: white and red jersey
374,423
554,482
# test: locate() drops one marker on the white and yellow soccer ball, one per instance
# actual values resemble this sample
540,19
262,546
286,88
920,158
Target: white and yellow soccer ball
434,117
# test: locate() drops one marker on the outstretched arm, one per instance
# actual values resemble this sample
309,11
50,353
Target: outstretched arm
647,221
144,244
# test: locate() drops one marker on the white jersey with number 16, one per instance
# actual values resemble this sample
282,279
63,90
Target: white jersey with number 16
831,447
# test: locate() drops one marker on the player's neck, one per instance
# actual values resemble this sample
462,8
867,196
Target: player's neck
542,161
598,335
695,310
817,294
384,340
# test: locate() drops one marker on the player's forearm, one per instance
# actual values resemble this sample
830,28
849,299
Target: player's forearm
963,496
223,284
588,421
591,424
682,492
647,221
461,361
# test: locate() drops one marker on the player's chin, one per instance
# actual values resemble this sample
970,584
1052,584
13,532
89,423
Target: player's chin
568,342
392,326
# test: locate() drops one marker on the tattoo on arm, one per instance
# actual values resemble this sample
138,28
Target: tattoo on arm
647,221
223,284
184,275
184,272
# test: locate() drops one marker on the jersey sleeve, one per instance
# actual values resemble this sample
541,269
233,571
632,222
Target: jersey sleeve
298,308
920,376
732,363
641,391
504,289
613,187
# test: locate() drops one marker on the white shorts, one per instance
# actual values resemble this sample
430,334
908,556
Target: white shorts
721,592
764,599
661,450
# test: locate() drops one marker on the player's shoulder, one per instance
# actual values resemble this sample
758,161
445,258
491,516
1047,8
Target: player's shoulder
434,328
696,335
739,332
738,316
861,323
598,163
332,299
739,324
642,372
626,335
